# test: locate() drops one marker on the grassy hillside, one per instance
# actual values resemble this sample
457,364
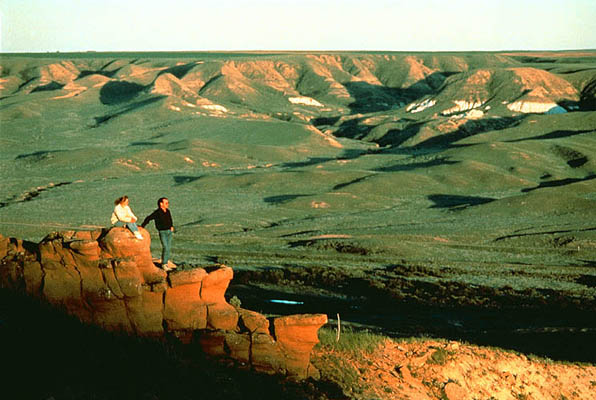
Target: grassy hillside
458,179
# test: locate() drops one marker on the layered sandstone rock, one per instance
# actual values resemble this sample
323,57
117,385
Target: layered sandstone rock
107,278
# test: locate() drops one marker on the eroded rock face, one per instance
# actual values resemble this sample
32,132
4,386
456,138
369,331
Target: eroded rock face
107,278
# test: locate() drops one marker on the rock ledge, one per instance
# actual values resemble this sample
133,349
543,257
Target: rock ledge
107,278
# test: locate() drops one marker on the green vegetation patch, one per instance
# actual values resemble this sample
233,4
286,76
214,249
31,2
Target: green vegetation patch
350,340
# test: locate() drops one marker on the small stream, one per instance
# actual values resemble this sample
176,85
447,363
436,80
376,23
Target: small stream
563,335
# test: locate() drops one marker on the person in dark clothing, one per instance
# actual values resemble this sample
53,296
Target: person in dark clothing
165,227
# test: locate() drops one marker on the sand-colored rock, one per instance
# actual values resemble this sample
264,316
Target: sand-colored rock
215,285
187,277
121,243
454,392
266,356
184,307
146,314
129,278
253,321
297,335
222,316
239,347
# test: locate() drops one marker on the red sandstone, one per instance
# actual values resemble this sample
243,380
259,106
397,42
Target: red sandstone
107,278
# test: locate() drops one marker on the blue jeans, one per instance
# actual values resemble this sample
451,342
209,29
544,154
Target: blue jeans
165,237
130,225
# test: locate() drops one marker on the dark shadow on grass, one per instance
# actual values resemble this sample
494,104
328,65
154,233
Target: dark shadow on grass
353,128
357,180
131,107
32,194
185,179
179,71
307,163
456,202
192,223
559,134
414,166
281,199
470,128
346,155
515,321
587,98
50,86
577,162
340,246
370,98
325,121
396,137
38,155
298,233
117,92
559,183
534,59
554,232
107,74
28,81
144,144
587,280
573,71
374,98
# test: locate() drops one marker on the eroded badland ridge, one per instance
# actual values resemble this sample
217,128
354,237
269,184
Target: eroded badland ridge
446,194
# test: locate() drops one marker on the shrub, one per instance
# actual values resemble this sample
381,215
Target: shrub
439,357
350,340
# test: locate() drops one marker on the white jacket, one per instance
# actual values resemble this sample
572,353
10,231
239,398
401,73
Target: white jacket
123,214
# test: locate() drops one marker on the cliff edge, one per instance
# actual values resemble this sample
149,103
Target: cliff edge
107,278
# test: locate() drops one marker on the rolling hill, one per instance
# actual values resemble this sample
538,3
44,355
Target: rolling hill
478,169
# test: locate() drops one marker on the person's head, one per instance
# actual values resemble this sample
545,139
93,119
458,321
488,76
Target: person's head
121,200
163,203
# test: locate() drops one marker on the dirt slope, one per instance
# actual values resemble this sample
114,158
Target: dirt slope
453,371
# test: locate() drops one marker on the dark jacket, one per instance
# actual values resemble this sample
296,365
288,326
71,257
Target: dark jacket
163,220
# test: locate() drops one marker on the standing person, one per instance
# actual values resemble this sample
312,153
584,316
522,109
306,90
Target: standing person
165,227
123,216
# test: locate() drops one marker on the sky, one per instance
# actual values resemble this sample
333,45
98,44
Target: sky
236,25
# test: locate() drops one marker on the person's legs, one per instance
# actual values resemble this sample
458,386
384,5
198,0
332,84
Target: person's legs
165,237
132,226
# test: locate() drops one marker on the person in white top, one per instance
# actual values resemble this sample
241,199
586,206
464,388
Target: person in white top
123,216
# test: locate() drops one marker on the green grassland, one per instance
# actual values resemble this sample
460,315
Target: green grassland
431,206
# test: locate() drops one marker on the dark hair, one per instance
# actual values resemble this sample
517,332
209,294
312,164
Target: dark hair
160,200
120,200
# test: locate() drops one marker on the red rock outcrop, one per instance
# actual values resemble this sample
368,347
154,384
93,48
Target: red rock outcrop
107,278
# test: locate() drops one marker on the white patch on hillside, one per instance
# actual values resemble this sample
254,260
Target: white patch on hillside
418,107
531,107
307,101
215,107
462,105
472,114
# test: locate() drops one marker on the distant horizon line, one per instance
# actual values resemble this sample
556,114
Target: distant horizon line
296,51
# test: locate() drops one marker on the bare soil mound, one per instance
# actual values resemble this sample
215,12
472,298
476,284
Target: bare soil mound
428,369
